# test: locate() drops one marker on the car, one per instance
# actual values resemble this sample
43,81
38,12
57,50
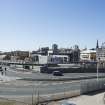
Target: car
67,103
57,73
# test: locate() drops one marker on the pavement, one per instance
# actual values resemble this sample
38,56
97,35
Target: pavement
4,78
92,99
89,100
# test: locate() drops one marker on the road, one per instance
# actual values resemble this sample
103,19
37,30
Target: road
19,87
43,88
14,73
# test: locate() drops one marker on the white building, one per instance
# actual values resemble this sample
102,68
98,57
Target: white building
2,57
50,52
58,59
51,59
100,53
88,55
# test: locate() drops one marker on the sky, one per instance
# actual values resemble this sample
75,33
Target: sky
32,24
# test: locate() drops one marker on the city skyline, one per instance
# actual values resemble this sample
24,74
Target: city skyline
30,24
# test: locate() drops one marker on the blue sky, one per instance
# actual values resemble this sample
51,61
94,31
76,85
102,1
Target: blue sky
30,24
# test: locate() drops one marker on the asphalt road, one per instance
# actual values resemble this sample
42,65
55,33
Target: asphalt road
14,73
26,88
42,88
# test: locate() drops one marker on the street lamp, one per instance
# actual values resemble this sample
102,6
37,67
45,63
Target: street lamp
98,68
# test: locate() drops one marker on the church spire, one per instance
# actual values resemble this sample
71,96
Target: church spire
97,46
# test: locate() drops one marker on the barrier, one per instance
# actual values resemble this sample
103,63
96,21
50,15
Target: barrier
92,85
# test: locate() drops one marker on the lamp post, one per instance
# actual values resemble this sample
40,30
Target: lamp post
97,71
98,68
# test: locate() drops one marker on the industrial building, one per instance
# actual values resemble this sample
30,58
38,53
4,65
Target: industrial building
56,55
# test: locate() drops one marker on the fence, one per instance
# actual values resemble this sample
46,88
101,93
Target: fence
53,90
77,88
92,85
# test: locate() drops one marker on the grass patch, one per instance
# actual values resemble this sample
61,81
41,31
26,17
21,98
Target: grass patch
7,103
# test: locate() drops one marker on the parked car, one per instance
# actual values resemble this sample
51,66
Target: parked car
57,73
